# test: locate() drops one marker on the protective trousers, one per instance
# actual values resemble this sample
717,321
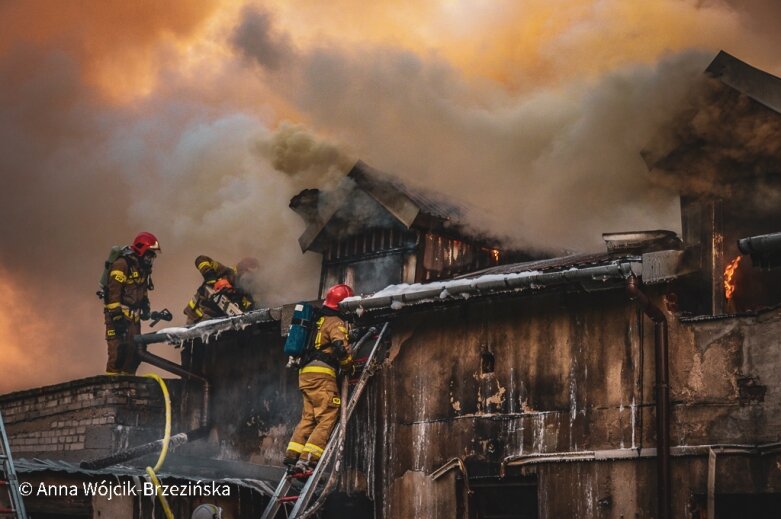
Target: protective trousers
122,357
321,410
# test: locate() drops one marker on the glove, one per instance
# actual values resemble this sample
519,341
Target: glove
340,350
348,371
145,310
355,334
120,323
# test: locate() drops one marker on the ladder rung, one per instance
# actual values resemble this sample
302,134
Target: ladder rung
287,499
7,510
300,475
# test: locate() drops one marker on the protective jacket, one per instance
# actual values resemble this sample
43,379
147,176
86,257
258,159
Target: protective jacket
200,307
331,346
126,301
317,383
128,286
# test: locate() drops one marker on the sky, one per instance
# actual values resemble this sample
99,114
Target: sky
199,120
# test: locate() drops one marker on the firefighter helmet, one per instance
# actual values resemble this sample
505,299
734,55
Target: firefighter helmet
221,284
336,294
207,512
145,241
247,264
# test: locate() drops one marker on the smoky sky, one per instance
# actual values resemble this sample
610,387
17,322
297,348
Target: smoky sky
199,120
556,168
254,36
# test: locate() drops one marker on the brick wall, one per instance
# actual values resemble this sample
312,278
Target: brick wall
85,418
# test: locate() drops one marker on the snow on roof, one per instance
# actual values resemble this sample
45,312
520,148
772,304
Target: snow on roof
205,330
395,297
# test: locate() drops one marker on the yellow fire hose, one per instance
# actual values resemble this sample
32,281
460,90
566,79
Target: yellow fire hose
166,439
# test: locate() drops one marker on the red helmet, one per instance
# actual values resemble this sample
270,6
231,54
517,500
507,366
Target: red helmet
143,242
336,294
247,264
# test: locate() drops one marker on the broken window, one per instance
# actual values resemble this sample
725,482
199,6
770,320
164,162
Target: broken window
445,257
487,362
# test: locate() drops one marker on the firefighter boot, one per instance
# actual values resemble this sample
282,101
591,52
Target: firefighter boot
291,465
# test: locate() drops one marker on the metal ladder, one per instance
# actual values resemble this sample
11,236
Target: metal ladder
301,501
8,478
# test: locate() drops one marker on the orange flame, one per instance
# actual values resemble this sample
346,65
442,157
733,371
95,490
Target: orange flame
495,255
729,273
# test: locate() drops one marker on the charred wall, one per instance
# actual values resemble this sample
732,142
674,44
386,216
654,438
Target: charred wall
255,401
569,373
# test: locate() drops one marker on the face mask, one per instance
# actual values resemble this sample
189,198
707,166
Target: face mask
148,259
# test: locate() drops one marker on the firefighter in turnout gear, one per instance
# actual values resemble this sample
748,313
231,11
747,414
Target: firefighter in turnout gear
329,353
220,279
126,301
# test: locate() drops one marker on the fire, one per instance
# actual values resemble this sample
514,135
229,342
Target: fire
729,273
495,255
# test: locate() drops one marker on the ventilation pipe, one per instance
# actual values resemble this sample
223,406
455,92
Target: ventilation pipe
176,369
664,489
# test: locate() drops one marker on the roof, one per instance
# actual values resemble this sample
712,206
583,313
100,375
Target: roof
204,330
393,194
755,83
588,272
545,265
578,272
382,193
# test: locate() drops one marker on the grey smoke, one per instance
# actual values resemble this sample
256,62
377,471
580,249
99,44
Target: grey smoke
258,41
556,167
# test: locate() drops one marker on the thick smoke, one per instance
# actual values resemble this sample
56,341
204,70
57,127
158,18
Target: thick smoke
117,117
725,145
255,36
294,150
558,167
82,175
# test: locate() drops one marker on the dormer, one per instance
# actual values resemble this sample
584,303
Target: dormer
374,230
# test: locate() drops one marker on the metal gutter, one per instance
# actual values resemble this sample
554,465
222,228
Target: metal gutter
447,467
522,460
721,317
593,278
211,327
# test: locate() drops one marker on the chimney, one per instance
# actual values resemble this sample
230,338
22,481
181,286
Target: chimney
702,228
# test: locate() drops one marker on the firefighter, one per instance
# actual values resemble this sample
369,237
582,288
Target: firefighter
218,277
317,381
127,303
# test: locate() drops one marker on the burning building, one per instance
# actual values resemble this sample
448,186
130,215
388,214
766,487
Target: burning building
374,230
636,381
